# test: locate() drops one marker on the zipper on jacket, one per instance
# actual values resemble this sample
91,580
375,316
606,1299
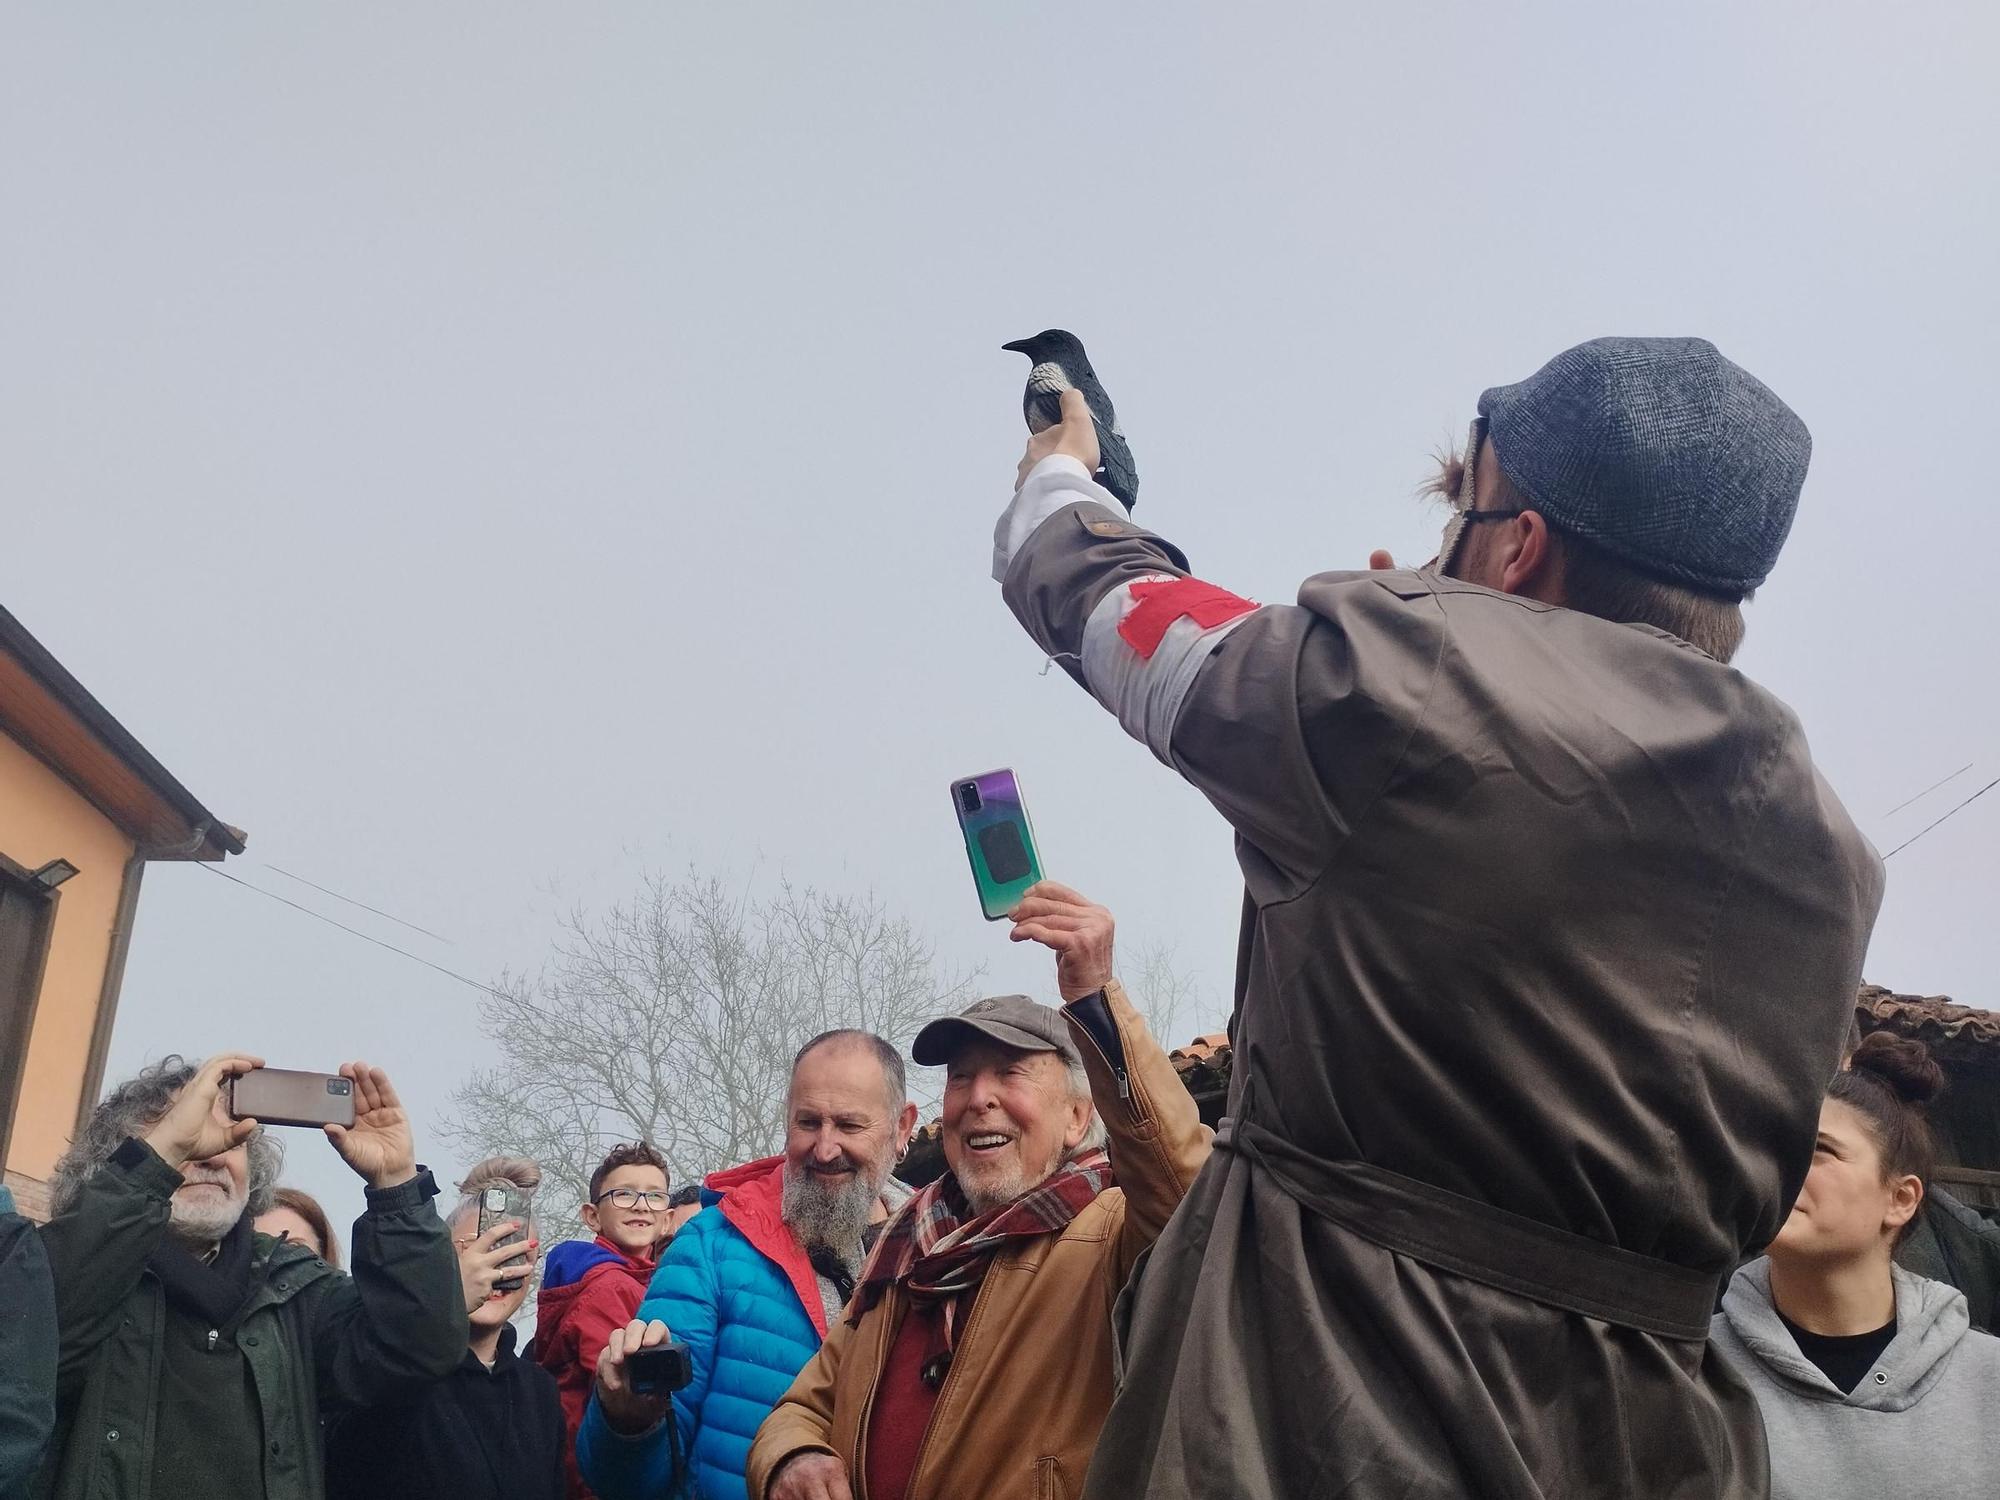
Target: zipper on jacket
213,1335
1111,1049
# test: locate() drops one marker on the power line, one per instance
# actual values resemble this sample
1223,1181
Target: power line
1929,789
391,916
354,931
1934,823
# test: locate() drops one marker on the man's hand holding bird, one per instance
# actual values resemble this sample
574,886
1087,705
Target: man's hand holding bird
1060,366
1075,435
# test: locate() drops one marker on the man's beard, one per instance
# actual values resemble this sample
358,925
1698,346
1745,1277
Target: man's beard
203,1222
983,1196
830,1209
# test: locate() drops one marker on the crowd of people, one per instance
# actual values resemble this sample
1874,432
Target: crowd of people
1552,1164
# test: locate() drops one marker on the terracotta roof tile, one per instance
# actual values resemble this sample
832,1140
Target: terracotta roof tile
1956,1033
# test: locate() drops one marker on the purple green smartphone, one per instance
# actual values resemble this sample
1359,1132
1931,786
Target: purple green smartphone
999,841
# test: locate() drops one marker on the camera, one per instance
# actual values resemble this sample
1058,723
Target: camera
662,1369
968,796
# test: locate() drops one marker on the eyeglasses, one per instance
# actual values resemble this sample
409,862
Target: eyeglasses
653,1198
1463,516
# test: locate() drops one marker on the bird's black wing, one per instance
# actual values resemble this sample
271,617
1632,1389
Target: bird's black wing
1118,474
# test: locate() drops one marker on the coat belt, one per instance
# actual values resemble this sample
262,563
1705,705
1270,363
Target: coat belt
1482,1243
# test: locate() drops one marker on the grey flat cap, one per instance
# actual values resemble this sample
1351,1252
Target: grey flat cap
1012,1020
1661,452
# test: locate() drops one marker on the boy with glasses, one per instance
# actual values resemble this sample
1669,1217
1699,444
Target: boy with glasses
590,1287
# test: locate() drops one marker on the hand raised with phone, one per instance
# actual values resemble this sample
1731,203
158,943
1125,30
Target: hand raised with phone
484,1263
196,1125
378,1144
1075,928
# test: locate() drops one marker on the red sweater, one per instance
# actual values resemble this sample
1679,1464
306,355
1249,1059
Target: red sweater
588,1289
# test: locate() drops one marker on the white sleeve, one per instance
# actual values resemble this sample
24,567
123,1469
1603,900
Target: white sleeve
1146,691
1055,482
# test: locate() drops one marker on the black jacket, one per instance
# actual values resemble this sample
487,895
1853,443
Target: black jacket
27,1355
315,1341
478,1434
1952,1243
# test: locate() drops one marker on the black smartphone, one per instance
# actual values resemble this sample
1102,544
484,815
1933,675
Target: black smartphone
496,1205
661,1369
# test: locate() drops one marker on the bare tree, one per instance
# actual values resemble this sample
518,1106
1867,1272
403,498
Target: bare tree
674,1018
1166,994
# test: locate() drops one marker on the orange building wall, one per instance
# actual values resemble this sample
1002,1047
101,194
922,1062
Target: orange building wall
43,818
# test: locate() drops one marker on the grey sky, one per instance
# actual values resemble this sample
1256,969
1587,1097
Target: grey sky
488,455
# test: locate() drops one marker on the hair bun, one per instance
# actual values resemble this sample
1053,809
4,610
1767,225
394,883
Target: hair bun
518,1172
1906,1066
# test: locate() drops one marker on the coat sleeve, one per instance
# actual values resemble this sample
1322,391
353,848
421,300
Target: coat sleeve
618,1467
27,1355
1276,713
1157,1141
682,1294
97,1250
397,1323
802,1421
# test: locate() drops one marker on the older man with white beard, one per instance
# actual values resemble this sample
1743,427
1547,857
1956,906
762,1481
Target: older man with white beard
752,1283
976,1356
197,1356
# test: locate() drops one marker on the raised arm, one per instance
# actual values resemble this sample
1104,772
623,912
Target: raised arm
397,1323
1288,719
1154,1133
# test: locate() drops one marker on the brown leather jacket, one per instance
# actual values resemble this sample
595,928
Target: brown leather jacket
1032,1378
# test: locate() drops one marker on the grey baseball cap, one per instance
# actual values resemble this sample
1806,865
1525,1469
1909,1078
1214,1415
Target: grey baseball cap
1661,452
1012,1020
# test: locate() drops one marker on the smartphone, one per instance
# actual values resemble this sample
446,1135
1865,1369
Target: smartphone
999,840
497,1205
660,1369
280,1096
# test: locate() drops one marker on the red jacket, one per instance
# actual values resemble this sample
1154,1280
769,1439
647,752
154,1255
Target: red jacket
588,1289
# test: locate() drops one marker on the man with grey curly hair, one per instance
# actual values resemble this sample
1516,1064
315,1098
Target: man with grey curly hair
198,1356
214,1194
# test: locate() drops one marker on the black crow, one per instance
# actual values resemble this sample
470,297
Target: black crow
1059,363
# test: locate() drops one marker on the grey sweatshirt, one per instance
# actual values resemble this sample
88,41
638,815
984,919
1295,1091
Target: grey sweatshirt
1924,1424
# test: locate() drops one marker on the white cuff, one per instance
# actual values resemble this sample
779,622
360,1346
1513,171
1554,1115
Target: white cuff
1055,482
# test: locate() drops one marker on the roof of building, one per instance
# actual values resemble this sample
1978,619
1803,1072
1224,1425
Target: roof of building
56,717
1956,1034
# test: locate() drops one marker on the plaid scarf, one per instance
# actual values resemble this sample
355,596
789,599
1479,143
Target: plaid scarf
938,1254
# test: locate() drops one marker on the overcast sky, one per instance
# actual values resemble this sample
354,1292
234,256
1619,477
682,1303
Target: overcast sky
488,453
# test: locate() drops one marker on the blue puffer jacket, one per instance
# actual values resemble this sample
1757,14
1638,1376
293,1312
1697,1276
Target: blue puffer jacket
736,1287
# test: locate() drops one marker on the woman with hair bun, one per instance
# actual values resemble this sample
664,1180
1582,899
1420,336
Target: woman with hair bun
493,1429
1870,1379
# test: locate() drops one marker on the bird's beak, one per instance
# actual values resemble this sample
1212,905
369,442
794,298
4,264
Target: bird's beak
1019,346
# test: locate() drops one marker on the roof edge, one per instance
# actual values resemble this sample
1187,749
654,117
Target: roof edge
218,839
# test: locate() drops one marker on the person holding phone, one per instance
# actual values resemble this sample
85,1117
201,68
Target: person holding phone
976,1355
198,1357
1551,931
493,1429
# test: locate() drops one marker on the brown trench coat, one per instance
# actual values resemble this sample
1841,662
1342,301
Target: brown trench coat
1550,939
1019,1410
